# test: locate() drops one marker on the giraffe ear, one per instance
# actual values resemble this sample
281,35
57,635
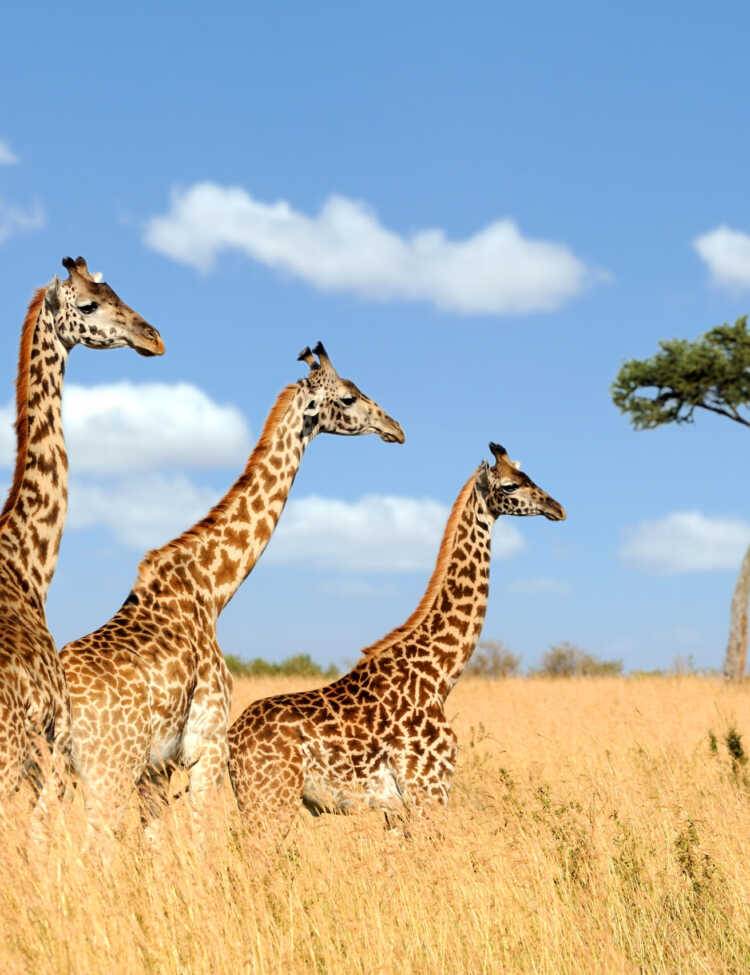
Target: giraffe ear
483,478
52,295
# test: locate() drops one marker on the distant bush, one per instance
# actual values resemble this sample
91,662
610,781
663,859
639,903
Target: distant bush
298,665
567,660
492,659
684,666
681,667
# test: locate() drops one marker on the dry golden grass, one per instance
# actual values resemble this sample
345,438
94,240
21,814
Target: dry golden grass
591,828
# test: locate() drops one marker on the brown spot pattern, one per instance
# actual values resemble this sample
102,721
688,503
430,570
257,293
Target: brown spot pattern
378,736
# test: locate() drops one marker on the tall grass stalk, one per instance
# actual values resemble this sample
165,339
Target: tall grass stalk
592,828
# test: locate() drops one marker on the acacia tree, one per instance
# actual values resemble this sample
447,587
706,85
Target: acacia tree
711,373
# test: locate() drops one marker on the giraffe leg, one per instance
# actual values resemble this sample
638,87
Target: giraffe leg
424,776
105,801
204,755
107,788
268,790
108,766
206,772
14,748
153,798
204,750
54,784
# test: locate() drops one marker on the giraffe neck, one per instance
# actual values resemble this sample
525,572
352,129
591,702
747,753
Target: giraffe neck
427,654
214,557
32,521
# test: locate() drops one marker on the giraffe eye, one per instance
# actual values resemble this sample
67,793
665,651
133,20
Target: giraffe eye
510,488
89,308
347,400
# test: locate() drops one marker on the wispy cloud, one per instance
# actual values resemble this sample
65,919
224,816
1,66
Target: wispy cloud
377,533
687,541
142,512
7,156
14,219
122,427
726,252
345,247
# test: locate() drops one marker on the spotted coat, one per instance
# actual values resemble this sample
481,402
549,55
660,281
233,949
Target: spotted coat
150,689
34,707
379,736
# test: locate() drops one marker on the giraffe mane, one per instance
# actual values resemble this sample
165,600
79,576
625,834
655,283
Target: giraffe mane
436,579
22,399
279,408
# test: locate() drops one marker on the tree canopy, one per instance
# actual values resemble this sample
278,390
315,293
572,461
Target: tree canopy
712,373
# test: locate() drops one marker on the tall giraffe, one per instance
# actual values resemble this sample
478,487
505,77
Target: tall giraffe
378,736
34,707
150,688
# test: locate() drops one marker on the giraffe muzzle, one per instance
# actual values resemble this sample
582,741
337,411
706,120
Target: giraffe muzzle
554,511
146,340
393,433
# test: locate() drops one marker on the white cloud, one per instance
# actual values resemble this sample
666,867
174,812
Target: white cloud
15,220
377,533
140,513
346,248
122,427
726,252
687,541
7,156
555,587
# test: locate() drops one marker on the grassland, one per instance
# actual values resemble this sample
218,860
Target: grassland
595,825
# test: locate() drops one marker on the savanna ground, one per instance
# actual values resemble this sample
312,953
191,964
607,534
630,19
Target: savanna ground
595,825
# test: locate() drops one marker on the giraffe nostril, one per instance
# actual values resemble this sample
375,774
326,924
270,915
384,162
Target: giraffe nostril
147,341
555,511
394,434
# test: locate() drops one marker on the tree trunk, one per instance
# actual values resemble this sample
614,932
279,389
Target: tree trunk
734,662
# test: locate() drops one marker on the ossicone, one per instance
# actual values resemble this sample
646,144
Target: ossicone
307,356
497,451
79,266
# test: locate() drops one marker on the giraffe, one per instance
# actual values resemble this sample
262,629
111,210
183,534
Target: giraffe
150,689
378,736
34,707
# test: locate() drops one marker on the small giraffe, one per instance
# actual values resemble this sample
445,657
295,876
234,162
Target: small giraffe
150,690
34,707
378,736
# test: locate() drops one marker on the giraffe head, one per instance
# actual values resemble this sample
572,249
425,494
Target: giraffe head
336,405
508,491
87,310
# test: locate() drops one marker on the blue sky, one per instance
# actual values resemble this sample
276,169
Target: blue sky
253,179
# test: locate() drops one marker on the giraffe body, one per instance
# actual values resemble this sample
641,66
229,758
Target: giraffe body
378,736
150,688
34,708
